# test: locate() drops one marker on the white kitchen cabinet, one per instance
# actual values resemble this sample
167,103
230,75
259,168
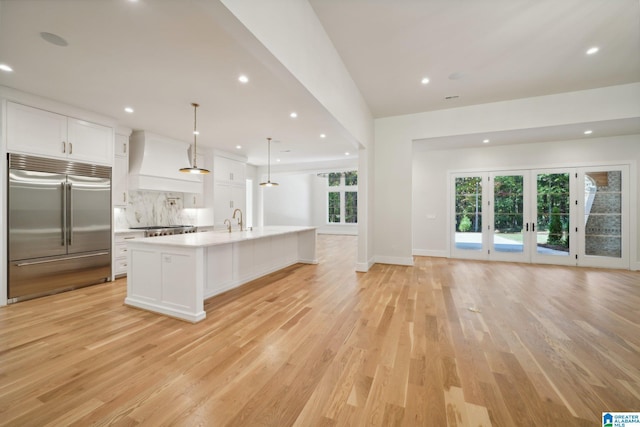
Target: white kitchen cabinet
43,133
121,146
119,181
227,198
195,200
120,262
31,130
229,171
120,172
229,191
89,142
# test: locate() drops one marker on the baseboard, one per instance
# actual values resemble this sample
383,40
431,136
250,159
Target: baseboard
338,232
395,260
635,266
433,253
189,316
363,267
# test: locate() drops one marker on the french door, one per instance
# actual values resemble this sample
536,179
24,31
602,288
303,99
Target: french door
571,216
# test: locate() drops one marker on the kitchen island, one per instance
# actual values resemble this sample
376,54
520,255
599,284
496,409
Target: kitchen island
173,275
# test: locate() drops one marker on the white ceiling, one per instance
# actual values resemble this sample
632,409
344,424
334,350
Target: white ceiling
159,56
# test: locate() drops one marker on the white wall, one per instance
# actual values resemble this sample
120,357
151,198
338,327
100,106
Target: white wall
290,203
431,175
300,199
394,141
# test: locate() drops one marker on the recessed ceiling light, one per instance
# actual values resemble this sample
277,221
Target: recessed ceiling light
54,39
5,67
293,115
195,132
128,109
485,141
239,147
424,80
277,160
592,50
243,79
346,153
588,132
322,135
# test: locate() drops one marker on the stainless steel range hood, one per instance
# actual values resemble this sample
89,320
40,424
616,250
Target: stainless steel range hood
154,164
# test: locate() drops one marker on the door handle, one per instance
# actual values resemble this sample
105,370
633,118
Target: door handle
527,227
46,261
533,226
64,147
70,208
64,213
70,148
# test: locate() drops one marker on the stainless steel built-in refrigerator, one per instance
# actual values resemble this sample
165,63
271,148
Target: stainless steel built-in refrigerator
59,216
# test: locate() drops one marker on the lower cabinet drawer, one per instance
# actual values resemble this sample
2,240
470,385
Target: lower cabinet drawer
121,266
121,250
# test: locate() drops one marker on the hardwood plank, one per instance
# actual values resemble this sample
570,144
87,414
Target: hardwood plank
323,345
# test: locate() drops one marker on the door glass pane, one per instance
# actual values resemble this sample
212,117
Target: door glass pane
334,206
603,213
553,204
508,199
351,207
468,213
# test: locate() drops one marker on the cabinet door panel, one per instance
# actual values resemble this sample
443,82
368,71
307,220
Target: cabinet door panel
119,181
34,131
90,142
121,146
221,203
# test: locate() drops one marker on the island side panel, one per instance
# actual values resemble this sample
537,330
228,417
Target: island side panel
307,247
167,280
143,277
219,270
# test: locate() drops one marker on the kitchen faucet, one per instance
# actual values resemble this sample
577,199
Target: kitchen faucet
240,219
228,224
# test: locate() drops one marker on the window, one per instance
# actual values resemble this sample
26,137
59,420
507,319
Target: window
342,197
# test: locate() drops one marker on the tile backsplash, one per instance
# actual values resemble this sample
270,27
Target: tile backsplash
147,208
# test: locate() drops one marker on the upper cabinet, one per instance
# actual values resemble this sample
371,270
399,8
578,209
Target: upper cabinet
228,171
43,133
229,192
121,146
120,173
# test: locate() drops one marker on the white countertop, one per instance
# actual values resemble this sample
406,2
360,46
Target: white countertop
212,238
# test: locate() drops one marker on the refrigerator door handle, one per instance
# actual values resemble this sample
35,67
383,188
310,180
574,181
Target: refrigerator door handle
24,264
64,213
70,215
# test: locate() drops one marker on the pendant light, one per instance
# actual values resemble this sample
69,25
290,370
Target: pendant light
269,183
195,168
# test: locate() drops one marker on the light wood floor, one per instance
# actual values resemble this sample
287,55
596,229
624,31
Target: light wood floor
443,343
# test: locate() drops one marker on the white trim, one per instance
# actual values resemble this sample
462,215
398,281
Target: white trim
162,309
54,106
431,252
635,266
363,267
341,229
395,260
563,165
